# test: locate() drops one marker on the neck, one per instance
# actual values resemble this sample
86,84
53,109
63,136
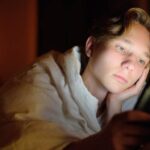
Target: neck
94,86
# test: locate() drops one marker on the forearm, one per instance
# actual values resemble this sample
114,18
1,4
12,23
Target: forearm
112,109
94,142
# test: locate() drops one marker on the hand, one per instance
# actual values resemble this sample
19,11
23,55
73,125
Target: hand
126,130
114,101
132,91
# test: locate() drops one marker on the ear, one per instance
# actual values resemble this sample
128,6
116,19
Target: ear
89,47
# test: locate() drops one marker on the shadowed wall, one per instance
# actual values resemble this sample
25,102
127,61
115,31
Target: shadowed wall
18,35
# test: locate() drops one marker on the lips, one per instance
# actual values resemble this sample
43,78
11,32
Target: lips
120,78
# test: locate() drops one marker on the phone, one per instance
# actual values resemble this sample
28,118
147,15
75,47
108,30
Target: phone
143,102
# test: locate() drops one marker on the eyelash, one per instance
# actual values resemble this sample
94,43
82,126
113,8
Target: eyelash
121,49
141,61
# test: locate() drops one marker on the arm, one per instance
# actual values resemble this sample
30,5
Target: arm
32,135
124,131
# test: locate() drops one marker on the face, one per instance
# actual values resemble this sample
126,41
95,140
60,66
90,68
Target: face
121,63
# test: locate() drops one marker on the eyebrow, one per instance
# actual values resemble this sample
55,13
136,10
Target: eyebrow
127,41
147,54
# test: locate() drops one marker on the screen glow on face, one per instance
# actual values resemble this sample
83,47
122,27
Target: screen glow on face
120,63
123,47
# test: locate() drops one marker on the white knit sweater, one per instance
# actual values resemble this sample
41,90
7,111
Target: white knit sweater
47,106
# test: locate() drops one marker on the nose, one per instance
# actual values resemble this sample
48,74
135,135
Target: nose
128,64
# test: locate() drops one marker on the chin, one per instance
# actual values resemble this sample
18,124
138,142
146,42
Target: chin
116,89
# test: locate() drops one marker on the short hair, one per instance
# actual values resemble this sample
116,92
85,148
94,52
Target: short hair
103,31
116,26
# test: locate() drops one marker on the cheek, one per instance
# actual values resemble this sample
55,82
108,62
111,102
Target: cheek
102,65
137,75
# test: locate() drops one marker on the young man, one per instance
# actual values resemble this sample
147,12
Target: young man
51,106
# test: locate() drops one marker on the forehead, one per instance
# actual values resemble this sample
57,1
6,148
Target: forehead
136,35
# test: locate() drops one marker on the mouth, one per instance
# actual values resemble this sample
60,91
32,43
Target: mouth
120,78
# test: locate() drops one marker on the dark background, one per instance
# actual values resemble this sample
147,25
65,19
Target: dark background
29,28
64,23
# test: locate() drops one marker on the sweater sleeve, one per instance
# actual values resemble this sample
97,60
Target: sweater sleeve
31,135
26,109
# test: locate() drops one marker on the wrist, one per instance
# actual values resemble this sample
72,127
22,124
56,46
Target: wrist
113,107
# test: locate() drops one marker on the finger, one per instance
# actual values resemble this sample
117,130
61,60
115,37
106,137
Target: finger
134,90
137,88
128,93
133,116
141,81
133,140
140,129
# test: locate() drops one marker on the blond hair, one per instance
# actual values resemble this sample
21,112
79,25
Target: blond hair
116,26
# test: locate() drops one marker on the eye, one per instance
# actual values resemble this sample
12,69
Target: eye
121,49
142,62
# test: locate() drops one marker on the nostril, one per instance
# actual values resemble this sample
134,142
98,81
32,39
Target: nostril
128,65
